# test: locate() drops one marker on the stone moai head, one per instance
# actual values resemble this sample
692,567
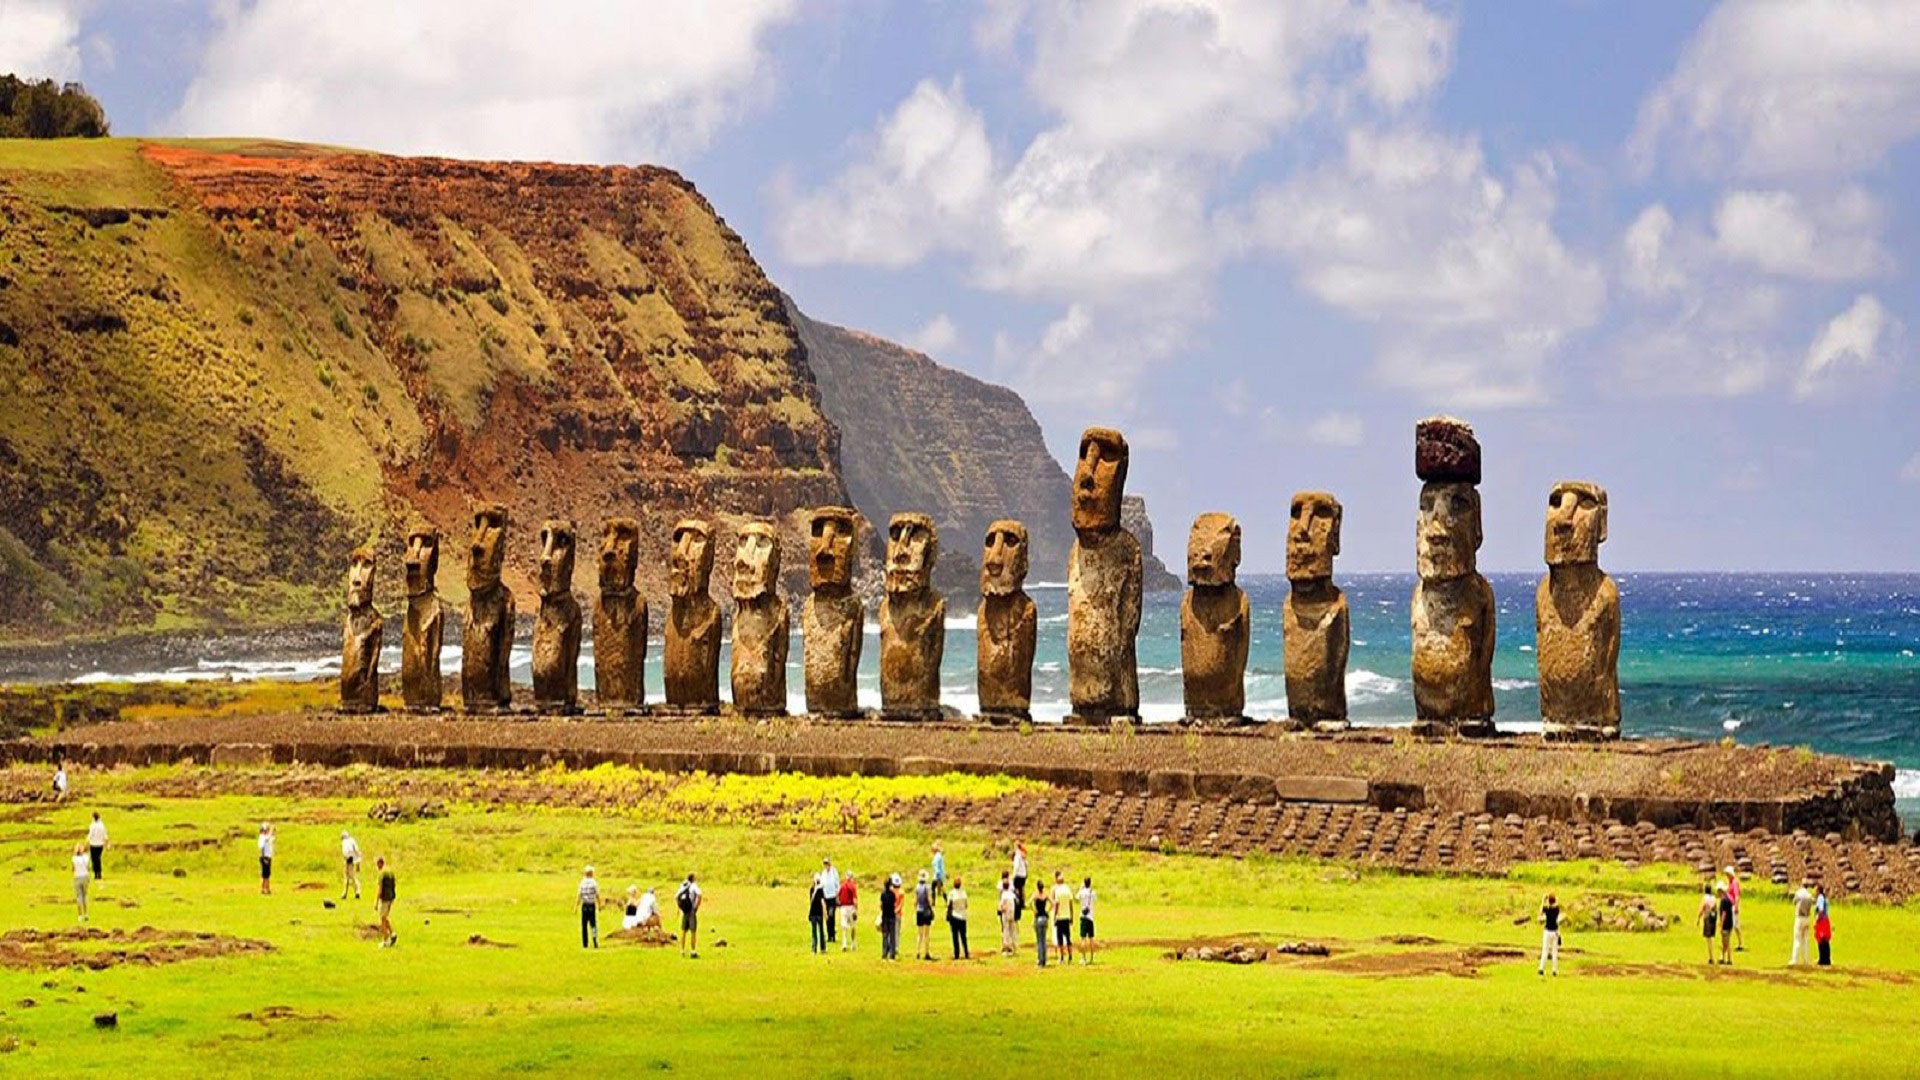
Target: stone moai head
690,565
1449,533
1003,562
830,547
1213,550
619,554
488,546
756,561
423,560
556,557
1576,523
1313,536
360,578
913,545
1099,479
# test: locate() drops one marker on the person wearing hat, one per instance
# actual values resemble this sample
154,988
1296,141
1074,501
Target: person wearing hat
890,918
1733,894
589,910
350,855
265,844
923,915
830,891
1709,916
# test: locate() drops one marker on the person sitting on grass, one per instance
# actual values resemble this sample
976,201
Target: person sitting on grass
383,903
82,874
689,899
1062,917
589,909
1709,916
643,910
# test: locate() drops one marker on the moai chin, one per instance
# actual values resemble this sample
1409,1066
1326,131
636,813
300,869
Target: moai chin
360,639
693,621
619,621
1214,624
1577,620
1006,626
422,633
1103,587
486,643
556,632
913,621
1453,606
760,623
834,620
1315,622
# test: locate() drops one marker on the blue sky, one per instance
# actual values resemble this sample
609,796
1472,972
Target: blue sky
1664,246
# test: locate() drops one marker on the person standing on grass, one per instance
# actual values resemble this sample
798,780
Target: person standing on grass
1822,926
97,844
589,909
1041,926
890,918
383,902
939,870
1709,916
1726,926
1019,879
350,859
957,920
1733,894
266,858
849,907
923,916
830,892
1085,899
1550,935
1802,925
1009,921
816,915
1062,917
82,873
689,899
60,781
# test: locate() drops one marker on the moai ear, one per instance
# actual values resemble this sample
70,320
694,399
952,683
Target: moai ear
1334,538
1603,518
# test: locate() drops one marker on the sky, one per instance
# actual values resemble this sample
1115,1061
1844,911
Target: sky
1667,247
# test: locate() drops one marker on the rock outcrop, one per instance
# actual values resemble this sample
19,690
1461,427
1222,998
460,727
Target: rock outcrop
1154,575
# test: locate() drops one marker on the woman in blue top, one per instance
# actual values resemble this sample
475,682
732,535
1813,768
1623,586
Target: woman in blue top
939,871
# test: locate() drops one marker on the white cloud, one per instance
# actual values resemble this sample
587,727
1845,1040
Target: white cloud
1647,252
938,336
1910,472
40,39
594,80
1336,429
1852,338
1779,232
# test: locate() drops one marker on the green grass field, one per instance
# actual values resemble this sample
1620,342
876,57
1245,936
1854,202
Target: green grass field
328,1002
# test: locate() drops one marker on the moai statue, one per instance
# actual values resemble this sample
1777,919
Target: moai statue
360,644
486,643
420,636
1214,624
1315,621
1577,620
1005,633
1103,587
913,622
619,621
1453,608
693,621
556,633
760,623
834,620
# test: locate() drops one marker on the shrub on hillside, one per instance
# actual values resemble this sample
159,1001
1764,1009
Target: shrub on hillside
48,110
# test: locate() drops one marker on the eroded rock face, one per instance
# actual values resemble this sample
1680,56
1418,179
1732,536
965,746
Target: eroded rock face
421,634
556,630
760,623
1103,586
1577,620
619,620
913,621
360,645
693,621
1315,622
834,620
486,642
1007,625
1214,623
1453,606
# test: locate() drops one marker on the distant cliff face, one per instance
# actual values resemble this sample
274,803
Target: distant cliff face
1155,577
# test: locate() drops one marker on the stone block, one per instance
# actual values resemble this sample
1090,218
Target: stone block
242,754
1171,783
1326,789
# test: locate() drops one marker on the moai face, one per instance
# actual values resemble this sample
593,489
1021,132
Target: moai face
423,560
1313,536
1213,550
1576,523
360,578
619,555
487,545
1003,562
1099,479
756,561
830,547
1449,531
690,566
913,545
556,557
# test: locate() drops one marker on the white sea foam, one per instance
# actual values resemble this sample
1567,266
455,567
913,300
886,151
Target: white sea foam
1365,687
1906,783
1514,684
1046,585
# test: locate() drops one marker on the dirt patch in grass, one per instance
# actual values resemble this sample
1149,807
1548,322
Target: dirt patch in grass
1463,963
97,950
1781,976
645,935
484,942
274,1014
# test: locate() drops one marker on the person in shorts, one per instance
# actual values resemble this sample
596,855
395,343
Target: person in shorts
350,865
688,898
383,903
1062,917
1085,899
1726,926
265,844
1709,917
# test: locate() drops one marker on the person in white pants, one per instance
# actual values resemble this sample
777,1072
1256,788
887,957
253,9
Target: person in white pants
1802,926
1550,935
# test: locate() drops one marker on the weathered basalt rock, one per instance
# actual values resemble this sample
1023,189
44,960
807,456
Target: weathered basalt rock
693,621
1577,620
834,620
1007,625
1445,451
619,621
556,630
1154,575
421,635
360,645
1103,587
1214,623
913,622
1315,623
1453,606
760,623
486,643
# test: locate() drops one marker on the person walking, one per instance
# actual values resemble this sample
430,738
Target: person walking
957,920
816,915
1062,917
1550,936
1822,926
849,908
1733,894
1802,926
350,860
384,897
1041,926
60,781
589,909
82,874
830,892
939,870
265,844
890,918
1709,917
1009,921
1726,926
689,900
923,916
1019,879
96,844
1085,899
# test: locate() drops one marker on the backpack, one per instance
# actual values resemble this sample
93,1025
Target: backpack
684,898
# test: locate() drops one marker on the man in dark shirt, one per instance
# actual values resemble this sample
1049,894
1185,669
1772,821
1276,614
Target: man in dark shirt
1550,936
384,903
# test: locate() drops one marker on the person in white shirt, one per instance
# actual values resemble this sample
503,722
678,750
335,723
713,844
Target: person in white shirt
1802,926
1085,899
60,782
266,859
96,843
1009,921
1019,879
830,889
689,900
589,909
643,910
350,858
81,875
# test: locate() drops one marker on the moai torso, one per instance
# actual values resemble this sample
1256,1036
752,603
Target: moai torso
1315,620
693,621
1214,624
556,632
1577,620
1453,606
486,642
760,624
619,621
1005,634
913,621
834,620
360,644
420,635
1103,586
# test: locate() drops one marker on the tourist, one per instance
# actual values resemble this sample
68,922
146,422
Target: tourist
81,875
642,914
939,869
266,858
890,918
1733,894
923,916
60,781
383,902
1040,923
589,909
350,856
1062,917
96,843
1822,926
1019,879
1709,916
849,905
957,920
1085,899
816,915
630,911
1726,926
1550,936
1009,917
1802,925
688,899
830,892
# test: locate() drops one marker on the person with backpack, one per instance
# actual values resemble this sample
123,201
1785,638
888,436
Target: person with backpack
816,916
589,909
689,898
1709,917
1550,936
957,920
890,918
923,915
1822,926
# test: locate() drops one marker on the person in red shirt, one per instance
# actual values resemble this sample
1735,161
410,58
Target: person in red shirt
849,912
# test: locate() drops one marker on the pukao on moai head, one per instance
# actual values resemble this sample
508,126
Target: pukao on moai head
421,634
1453,606
913,621
833,621
1214,623
1005,630
1577,620
556,632
760,623
1103,587
693,621
486,681
1315,623
360,639
619,621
